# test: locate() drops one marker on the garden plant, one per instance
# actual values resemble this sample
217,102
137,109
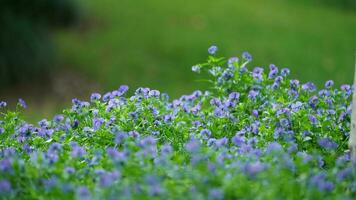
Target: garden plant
255,134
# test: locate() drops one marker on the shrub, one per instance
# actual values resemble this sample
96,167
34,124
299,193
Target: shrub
253,135
25,46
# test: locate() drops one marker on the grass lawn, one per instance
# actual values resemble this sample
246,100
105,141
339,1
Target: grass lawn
154,43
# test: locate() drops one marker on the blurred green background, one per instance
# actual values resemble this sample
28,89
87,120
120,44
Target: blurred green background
154,43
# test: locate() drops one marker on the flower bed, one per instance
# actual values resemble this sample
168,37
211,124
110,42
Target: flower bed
253,135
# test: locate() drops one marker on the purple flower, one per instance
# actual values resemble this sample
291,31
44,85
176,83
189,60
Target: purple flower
215,194
166,149
55,146
319,181
313,101
218,112
5,165
306,133
252,141
123,89
232,61
22,103
108,178
255,127
3,104
69,170
288,162
75,124
320,161
120,137
345,88
238,140
212,50
327,143
289,136
273,67
285,72
292,93
304,156
253,94
273,147
5,186
95,97
318,177
313,120
168,118
309,87
284,122
215,102
97,122
27,148
211,142
51,156
193,145
43,132
227,74
257,73
112,152
205,132
343,159
50,182
76,101
58,118
134,134
343,174
277,132
296,106
257,70
292,148
324,93
43,123
252,169
255,113
221,142
148,141
331,112
247,56
294,84
326,186
107,97
110,122
329,84
133,115
273,71
278,80
78,151
154,93
155,189
234,96
115,154
83,193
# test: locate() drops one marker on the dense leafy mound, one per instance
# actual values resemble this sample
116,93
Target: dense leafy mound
253,135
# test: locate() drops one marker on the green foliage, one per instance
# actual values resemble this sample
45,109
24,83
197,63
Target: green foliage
252,135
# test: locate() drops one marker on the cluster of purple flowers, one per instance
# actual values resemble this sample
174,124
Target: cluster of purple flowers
252,130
